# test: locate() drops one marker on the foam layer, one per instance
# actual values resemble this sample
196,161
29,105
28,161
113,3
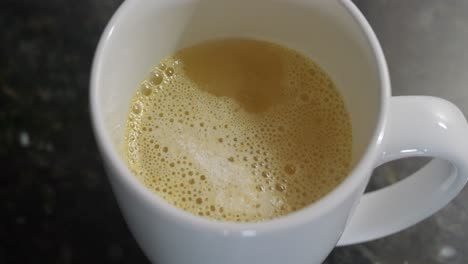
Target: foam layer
238,130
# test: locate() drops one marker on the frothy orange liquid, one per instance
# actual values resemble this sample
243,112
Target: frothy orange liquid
238,130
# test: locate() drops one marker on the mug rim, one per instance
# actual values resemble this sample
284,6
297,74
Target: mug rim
299,217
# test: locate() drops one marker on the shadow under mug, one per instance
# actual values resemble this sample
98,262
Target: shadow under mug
336,36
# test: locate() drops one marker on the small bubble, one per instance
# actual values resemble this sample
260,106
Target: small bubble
192,181
231,159
220,140
290,169
169,71
202,177
136,108
280,187
199,200
156,78
146,88
165,149
162,66
266,174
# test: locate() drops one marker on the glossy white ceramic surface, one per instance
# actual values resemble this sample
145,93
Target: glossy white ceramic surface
335,35
417,126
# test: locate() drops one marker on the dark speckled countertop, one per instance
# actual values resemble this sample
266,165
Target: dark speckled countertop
56,205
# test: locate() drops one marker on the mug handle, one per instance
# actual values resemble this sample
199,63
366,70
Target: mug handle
417,126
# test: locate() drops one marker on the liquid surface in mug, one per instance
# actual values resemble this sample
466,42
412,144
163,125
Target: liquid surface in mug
238,130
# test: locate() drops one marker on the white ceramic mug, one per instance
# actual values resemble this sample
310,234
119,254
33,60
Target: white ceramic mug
335,35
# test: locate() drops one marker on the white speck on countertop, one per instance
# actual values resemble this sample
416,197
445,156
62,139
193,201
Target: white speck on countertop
24,139
447,252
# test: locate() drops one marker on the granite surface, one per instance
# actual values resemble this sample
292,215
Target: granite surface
55,202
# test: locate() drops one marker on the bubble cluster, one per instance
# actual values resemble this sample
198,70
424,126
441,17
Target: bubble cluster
204,152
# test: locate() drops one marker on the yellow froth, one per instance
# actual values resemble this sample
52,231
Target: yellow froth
238,130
